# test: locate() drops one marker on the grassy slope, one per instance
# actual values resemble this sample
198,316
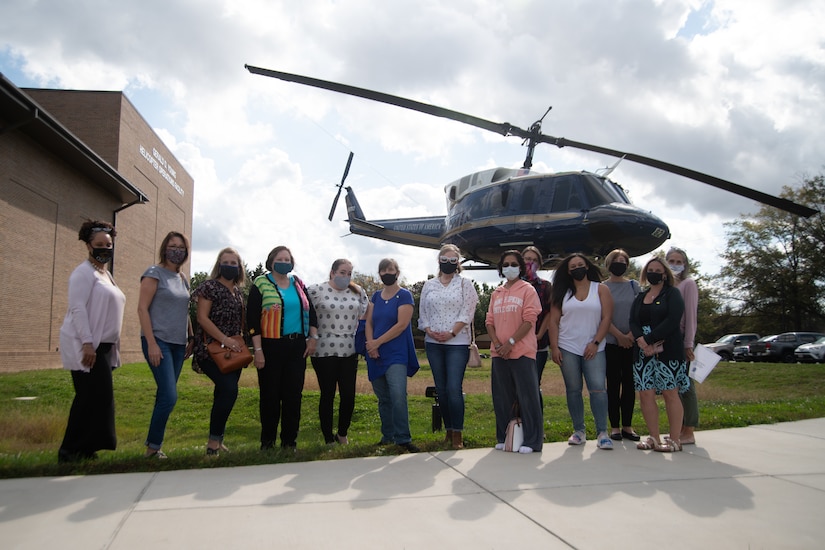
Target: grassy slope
31,430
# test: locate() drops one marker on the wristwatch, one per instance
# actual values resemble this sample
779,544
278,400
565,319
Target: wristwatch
452,333
315,336
512,342
596,342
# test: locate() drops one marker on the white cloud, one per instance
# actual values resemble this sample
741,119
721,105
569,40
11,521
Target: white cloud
728,88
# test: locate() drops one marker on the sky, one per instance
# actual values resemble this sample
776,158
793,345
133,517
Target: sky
729,88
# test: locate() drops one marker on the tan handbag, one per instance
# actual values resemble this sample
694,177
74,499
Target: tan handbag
226,359
474,361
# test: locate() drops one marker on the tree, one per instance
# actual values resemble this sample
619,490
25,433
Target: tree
775,268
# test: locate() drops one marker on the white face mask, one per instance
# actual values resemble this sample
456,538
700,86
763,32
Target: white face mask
676,269
510,272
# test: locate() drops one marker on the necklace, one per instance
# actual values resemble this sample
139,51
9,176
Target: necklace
98,268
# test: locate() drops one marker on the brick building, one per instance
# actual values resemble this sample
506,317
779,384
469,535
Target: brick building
67,156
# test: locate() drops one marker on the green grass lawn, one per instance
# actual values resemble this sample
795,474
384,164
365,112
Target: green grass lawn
735,394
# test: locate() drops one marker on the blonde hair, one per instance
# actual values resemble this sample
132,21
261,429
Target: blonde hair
449,248
668,272
686,272
216,269
614,254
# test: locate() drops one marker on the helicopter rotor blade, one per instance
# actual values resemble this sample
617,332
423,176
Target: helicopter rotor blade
735,188
341,185
534,136
503,128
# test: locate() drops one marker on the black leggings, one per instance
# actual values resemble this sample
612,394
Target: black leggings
331,372
621,395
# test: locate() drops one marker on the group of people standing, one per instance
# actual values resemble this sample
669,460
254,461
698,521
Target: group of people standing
611,334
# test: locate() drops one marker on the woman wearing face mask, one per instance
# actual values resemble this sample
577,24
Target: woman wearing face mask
339,304
659,365
618,351
391,354
446,310
284,330
166,333
220,318
90,346
679,264
533,262
578,324
511,319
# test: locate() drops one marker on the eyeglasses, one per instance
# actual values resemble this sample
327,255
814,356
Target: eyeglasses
448,259
505,264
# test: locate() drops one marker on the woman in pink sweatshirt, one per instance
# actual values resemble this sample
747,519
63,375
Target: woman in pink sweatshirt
511,320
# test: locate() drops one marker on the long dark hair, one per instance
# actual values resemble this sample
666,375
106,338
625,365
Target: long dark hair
563,281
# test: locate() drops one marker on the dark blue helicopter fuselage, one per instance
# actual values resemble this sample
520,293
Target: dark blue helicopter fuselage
558,213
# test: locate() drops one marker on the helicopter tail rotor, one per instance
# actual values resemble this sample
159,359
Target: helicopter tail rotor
341,186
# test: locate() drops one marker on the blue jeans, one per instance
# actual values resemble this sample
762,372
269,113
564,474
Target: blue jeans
391,390
166,377
573,367
448,364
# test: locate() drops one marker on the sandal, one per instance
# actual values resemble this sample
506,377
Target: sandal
669,446
648,444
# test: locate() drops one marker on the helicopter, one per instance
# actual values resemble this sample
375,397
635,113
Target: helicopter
501,209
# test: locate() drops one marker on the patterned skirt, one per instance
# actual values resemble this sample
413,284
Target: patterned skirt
652,373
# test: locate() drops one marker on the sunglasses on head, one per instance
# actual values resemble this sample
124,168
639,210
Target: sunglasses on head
448,259
103,229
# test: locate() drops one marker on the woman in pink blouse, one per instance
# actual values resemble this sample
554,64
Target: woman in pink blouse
679,264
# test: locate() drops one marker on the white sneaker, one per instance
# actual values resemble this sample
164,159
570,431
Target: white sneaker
604,442
525,450
578,438
499,446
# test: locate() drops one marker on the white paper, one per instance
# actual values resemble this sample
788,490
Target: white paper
703,362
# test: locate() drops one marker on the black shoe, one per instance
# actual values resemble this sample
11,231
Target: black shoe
409,447
632,436
267,445
616,437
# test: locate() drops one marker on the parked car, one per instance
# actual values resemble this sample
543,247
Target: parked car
782,348
742,353
723,347
813,352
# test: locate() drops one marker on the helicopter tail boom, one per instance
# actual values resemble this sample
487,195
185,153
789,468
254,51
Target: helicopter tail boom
425,231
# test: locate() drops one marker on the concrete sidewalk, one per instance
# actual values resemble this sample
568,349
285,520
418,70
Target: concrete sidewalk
756,487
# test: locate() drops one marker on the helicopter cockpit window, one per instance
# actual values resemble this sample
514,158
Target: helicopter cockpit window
565,195
605,191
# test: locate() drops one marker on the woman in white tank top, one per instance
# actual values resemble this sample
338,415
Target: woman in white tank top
578,323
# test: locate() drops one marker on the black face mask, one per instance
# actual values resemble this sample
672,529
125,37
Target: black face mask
229,272
389,278
617,268
447,267
655,278
579,273
102,255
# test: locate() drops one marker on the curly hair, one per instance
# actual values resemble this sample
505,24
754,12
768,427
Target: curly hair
90,227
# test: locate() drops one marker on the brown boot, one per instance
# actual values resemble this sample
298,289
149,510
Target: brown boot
457,442
448,438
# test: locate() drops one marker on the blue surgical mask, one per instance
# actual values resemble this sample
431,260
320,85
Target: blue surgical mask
282,267
341,281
